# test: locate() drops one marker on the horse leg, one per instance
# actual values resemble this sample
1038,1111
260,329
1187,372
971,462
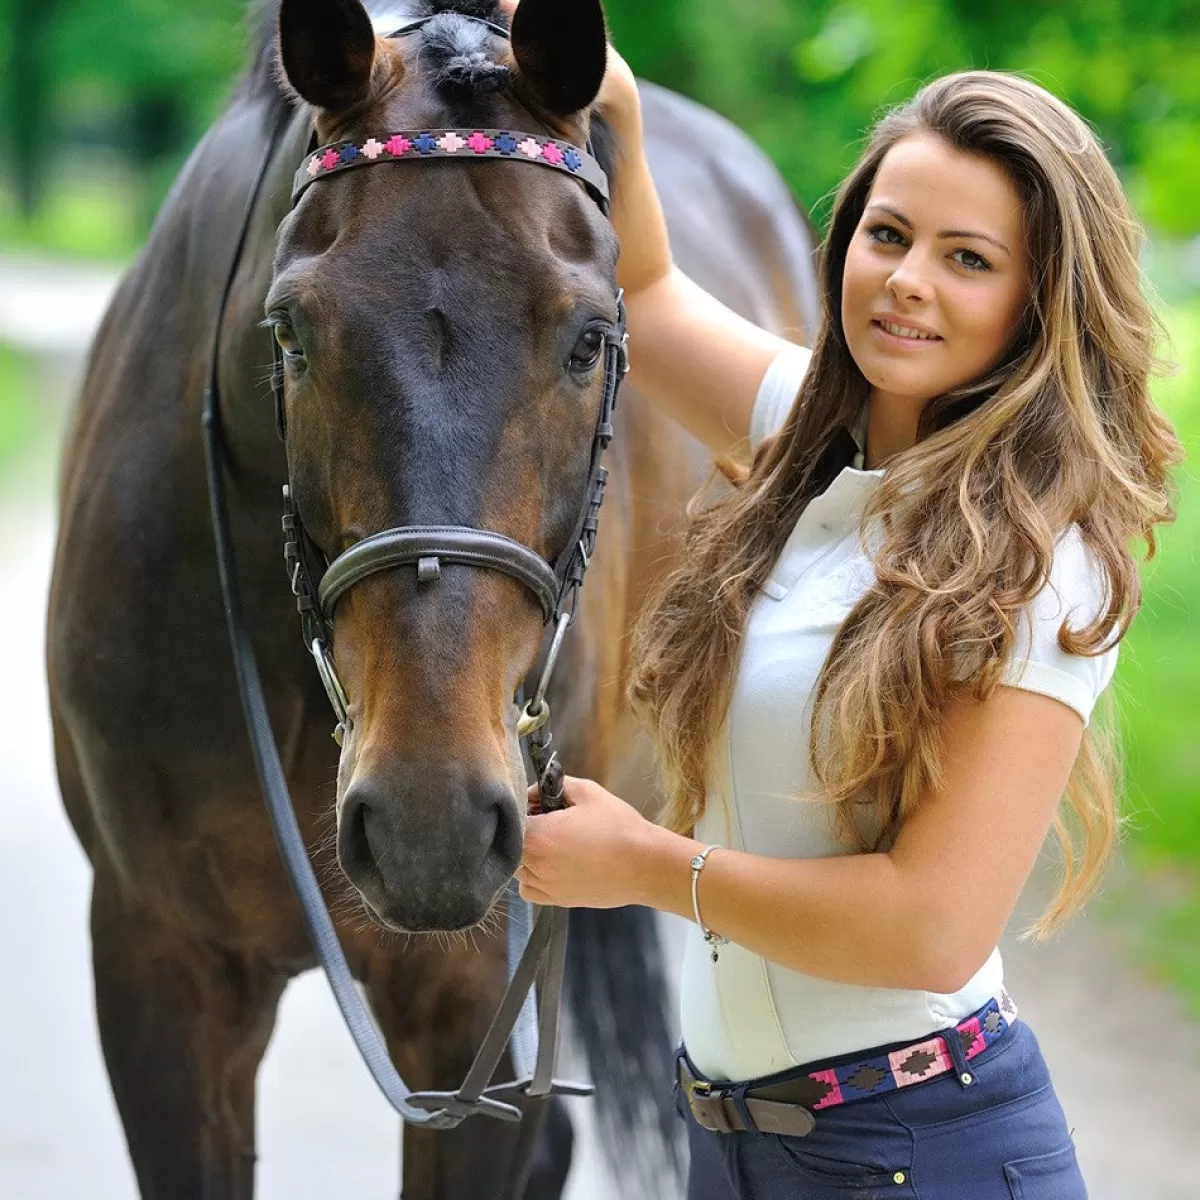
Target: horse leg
183,1025
434,1006
473,1162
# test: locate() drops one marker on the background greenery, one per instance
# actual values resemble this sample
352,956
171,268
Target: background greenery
100,100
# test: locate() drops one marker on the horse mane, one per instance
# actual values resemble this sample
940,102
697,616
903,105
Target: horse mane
454,49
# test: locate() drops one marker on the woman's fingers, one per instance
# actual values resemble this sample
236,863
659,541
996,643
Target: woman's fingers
618,97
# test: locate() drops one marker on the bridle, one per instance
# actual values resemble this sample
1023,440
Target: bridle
318,587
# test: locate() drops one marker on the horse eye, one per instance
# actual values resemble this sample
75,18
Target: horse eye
587,350
285,335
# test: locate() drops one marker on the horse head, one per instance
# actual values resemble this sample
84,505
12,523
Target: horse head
442,332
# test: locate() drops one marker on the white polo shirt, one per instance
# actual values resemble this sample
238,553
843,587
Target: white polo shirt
743,1016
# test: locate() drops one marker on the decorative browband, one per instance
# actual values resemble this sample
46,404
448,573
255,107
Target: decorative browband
413,145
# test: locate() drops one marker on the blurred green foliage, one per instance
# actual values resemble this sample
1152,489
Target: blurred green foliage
1160,705
143,78
806,79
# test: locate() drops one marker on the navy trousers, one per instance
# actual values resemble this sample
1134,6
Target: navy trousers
1003,1137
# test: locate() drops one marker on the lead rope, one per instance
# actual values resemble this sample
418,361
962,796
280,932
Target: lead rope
543,957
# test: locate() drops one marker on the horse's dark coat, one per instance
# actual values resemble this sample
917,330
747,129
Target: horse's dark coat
443,300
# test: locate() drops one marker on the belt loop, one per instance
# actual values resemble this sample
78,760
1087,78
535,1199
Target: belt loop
737,1096
953,1040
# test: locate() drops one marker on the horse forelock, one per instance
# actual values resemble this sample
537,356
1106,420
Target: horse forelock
453,47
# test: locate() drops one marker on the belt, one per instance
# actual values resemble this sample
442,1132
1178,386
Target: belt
786,1105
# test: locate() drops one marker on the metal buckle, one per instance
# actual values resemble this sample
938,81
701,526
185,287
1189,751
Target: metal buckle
713,1115
531,719
623,356
537,712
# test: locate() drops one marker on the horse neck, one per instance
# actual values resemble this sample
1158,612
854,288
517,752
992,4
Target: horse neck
254,451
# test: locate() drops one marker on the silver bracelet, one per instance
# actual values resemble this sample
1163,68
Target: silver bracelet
715,940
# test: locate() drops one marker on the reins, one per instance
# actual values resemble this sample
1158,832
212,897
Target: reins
539,963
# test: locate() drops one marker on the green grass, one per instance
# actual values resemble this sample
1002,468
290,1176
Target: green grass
1159,699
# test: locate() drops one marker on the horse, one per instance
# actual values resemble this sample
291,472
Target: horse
437,330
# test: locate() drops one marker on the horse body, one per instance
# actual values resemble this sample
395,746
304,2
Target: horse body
195,931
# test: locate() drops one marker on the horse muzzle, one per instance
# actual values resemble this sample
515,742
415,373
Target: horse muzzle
430,849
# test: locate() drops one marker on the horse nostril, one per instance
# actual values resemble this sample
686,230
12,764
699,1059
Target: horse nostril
508,840
354,846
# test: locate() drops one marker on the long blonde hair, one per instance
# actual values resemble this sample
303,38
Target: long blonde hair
1061,432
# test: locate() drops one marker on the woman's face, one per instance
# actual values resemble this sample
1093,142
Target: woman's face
937,273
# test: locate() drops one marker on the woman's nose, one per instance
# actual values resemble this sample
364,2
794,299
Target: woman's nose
910,280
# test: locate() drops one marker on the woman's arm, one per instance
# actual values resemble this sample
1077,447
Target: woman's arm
690,355
698,361
924,915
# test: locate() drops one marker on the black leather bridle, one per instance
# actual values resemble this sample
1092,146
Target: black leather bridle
318,587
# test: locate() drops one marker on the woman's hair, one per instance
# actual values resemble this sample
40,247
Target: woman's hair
1061,431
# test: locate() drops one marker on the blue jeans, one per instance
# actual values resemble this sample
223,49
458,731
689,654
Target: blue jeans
1003,1137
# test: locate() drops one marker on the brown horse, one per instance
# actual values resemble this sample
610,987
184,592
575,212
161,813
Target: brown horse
437,324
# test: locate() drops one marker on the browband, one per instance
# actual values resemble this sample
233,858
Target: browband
414,145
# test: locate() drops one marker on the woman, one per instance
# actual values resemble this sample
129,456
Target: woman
872,677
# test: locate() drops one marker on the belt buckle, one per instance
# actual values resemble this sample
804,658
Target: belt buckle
714,1111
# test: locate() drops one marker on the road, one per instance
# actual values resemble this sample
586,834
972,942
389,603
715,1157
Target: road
1125,1060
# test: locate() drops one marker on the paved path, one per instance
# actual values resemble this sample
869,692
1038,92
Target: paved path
1126,1063
50,305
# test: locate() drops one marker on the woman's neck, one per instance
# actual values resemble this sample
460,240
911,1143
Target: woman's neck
891,427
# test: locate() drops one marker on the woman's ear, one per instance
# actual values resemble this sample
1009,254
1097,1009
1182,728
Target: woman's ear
326,50
561,48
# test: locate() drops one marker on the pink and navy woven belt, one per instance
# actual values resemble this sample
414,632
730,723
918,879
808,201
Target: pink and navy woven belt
785,1103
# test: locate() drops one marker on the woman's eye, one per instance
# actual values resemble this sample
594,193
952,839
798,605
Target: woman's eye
971,260
587,350
285,335
886,235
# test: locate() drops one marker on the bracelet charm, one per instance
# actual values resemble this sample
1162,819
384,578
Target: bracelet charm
715,940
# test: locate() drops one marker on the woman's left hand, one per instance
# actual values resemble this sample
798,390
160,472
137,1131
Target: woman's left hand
590,854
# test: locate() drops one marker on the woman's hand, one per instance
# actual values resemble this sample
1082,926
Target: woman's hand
592,854
618,98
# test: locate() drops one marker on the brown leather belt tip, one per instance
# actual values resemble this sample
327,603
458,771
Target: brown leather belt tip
716,1110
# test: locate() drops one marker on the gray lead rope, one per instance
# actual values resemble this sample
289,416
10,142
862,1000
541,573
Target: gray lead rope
518,926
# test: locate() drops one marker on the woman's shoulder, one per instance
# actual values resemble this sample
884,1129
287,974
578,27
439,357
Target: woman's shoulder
1076,593
1077,587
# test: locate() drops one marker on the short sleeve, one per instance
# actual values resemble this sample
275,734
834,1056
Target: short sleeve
1076,592
777,393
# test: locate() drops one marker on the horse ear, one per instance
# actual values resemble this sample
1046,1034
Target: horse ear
326,49
561,48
